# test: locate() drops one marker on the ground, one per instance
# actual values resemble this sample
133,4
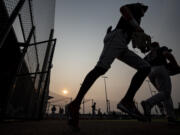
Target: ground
89,127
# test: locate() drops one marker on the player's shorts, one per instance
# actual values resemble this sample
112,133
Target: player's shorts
160,78
115,46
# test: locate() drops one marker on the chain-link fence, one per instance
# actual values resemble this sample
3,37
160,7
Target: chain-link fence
31,82
10,5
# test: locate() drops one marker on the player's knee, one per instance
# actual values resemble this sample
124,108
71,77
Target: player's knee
145,70
100,70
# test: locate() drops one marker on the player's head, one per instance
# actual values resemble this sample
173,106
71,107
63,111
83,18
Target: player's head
154,45
143,7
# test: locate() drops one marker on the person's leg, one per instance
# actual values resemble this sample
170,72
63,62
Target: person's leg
161,108
107,57
172,120
136,83
74,106
127,104
109,53
88,82
143,69
162,82
160,79
114,45
169,108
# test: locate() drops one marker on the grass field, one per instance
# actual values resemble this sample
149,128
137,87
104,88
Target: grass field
89,127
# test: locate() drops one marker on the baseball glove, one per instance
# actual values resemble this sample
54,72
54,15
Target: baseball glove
141,41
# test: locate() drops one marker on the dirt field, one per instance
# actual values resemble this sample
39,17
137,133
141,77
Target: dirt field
89,127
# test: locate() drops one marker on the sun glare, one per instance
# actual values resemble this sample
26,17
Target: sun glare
65,92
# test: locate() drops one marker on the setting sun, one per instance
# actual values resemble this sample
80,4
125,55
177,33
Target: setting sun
65,91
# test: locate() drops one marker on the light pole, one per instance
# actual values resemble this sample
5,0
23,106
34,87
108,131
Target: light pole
107,101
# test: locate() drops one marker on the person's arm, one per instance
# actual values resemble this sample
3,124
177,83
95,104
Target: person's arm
172,66
171,58
126,13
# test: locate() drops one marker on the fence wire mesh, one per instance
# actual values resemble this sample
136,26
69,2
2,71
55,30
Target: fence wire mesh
10,5
31,15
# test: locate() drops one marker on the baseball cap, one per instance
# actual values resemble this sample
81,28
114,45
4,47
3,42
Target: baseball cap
145,7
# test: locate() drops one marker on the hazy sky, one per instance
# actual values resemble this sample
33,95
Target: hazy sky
80,26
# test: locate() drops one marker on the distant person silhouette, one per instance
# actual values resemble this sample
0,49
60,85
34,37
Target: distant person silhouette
61,112
99,113
53,109
94,109
115,46
160,78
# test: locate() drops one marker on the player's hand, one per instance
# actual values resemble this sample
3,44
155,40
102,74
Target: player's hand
109,29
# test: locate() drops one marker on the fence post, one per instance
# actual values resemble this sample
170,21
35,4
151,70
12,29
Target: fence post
44,67
11,92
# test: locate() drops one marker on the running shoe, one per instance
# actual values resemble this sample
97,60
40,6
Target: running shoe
72,112
147,110
130,108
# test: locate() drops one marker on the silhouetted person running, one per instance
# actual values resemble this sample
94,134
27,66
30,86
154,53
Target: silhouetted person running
160,78
116,46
